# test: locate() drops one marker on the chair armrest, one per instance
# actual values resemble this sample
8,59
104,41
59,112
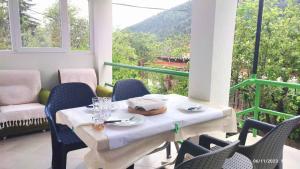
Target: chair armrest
206,141
102,91
255,124
190,148
52,125
43,96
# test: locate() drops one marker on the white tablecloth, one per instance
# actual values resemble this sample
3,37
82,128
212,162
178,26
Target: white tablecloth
122,136
137,143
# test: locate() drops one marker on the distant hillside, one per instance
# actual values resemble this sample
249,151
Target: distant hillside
167,23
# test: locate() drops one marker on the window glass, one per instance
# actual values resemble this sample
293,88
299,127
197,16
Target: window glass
5,42
40,23
78,11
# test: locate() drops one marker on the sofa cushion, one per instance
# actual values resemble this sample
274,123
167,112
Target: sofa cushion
19,86
22,112
87,76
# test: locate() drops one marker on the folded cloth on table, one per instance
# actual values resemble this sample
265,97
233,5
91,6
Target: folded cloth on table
145,103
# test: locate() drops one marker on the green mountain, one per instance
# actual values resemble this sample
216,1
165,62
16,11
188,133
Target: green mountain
176,20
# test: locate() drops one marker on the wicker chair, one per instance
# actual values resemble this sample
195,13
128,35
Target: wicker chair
64,96
203,158
264,154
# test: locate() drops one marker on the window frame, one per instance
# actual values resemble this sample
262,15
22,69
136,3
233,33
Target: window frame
15,31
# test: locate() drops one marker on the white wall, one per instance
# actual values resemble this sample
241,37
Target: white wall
47,63
102,30
213,24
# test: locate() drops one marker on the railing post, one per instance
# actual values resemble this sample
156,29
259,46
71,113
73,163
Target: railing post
256,104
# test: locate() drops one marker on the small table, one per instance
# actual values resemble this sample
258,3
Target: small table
101,156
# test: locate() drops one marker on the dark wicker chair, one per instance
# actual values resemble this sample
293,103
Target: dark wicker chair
64,96
202,157
129,88
264,154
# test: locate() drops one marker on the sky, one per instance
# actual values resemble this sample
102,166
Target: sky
126,16
123,16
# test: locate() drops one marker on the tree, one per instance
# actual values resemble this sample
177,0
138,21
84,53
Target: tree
4,26
29,24
79,29
52,25
176,45
146,46
279,57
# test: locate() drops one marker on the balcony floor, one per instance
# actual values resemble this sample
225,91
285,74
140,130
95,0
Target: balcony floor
34,152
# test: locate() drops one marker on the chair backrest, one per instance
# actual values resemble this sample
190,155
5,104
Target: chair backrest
267,152
87,76
212,160
68,95
19,86
129,88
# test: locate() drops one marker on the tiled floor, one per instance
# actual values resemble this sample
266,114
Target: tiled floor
34,152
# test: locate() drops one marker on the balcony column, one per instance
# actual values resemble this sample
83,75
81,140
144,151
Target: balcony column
102,38
213,26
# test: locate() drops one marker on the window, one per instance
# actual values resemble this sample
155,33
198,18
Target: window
44,25
78,11
40,23
5,42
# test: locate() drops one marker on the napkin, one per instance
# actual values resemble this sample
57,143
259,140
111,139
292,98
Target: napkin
145,103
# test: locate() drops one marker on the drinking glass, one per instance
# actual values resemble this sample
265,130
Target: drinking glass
106,107
96,104
102,111
98,121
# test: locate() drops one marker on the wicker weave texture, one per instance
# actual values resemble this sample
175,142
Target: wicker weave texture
211,160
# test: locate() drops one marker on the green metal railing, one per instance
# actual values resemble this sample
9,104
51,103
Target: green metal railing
149,69
256,109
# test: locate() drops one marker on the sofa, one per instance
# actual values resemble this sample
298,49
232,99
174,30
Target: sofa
87,76
22,101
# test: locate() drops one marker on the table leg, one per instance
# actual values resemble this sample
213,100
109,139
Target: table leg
164,164
168,150
131,167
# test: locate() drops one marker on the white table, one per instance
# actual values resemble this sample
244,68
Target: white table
101,156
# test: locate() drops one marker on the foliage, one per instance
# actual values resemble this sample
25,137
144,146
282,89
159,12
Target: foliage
279,57
44,32
176,21
34,33
141,49
4,26
79,29
176,45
